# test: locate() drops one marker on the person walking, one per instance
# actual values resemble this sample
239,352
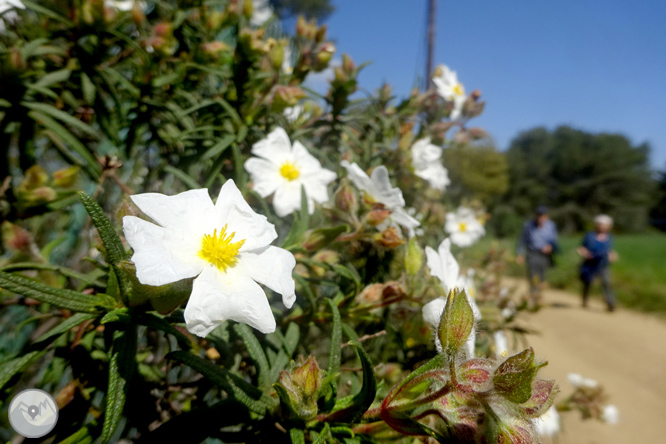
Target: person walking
597,252
536,245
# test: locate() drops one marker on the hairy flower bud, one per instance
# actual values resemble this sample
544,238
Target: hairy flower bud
299,387
377,216
413,257
66,177
345,197
389,238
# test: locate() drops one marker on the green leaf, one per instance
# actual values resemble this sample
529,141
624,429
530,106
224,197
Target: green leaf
60,297
62,116
300,225
158,323
121,368
321,237
66,325
335,353
351,408
217,149
456,323
183,176
9,368
297,436
256,353
51,79
513,378
61,137
235,386
121,315
81,436
114,247
34,6
88,88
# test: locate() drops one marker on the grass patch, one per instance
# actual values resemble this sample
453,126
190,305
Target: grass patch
638,278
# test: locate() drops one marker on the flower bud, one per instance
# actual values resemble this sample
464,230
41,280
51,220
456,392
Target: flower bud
320,34
285,96
66,177
377,216
138,15
298,388
513,378
348,64
301,26
319,238
34,177
389,238
215,20
413,257
15,238
456,324
214,48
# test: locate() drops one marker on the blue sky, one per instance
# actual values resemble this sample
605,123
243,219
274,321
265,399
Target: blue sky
595,65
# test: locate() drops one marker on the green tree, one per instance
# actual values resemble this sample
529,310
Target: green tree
319,9
578,174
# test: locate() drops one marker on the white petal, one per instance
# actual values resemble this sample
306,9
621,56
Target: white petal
174,211
306,161
276,147
470,344
264,174
432,311
400,216
271,267
358,177
501,343
161,256
384,192
218,297
287,199
241,219
450,269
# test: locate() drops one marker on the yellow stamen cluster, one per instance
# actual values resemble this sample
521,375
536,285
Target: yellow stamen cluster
462,226
458,90
220,250
290,171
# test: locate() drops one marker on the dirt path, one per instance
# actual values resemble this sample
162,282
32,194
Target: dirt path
625,351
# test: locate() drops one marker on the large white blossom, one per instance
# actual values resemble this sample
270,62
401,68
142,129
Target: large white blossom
225,246
450,89
7,12
548,424
610,414
464,227
444,266
427,163
281,169
377,188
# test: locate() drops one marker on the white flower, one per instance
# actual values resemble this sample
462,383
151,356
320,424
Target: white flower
262,11
501,343
450,89
286,60
463,227
292,113
548,424
610,414
578,381
427,163
8,5
281,169
377,188
225,246
123,5
508,312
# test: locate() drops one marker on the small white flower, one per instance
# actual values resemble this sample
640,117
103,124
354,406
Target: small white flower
508,312
377,188
443,265
548,424
281,169
501,343
463,227
578,381
292,113
123,5
8,5
427,163
451,89
262,11
286,60
225,246
610,414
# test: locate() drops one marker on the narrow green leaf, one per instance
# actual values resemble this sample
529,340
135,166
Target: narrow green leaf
121,368
60,297
291,338
235,386
114,247
184,177
335,353
239,170
256,353
300,225
51,79
9,368
297,436
218,148
121,315
34,6
62,116
351,408
66,325
81,436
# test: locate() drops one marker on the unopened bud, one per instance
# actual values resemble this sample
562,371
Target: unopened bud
284,96
413,257
317,239
15,238
377,216
320,34
66,177
215,20
299,387
389,238
214,48
138,15
348,64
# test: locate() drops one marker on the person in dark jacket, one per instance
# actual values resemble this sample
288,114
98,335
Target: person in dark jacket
597,252
536,245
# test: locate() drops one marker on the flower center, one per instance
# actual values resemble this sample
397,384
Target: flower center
462,226
219,250
289,171
458,90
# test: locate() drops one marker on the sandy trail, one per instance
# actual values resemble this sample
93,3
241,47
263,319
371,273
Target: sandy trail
625,351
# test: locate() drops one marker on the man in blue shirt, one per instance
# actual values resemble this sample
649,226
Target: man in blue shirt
536,245
597,252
